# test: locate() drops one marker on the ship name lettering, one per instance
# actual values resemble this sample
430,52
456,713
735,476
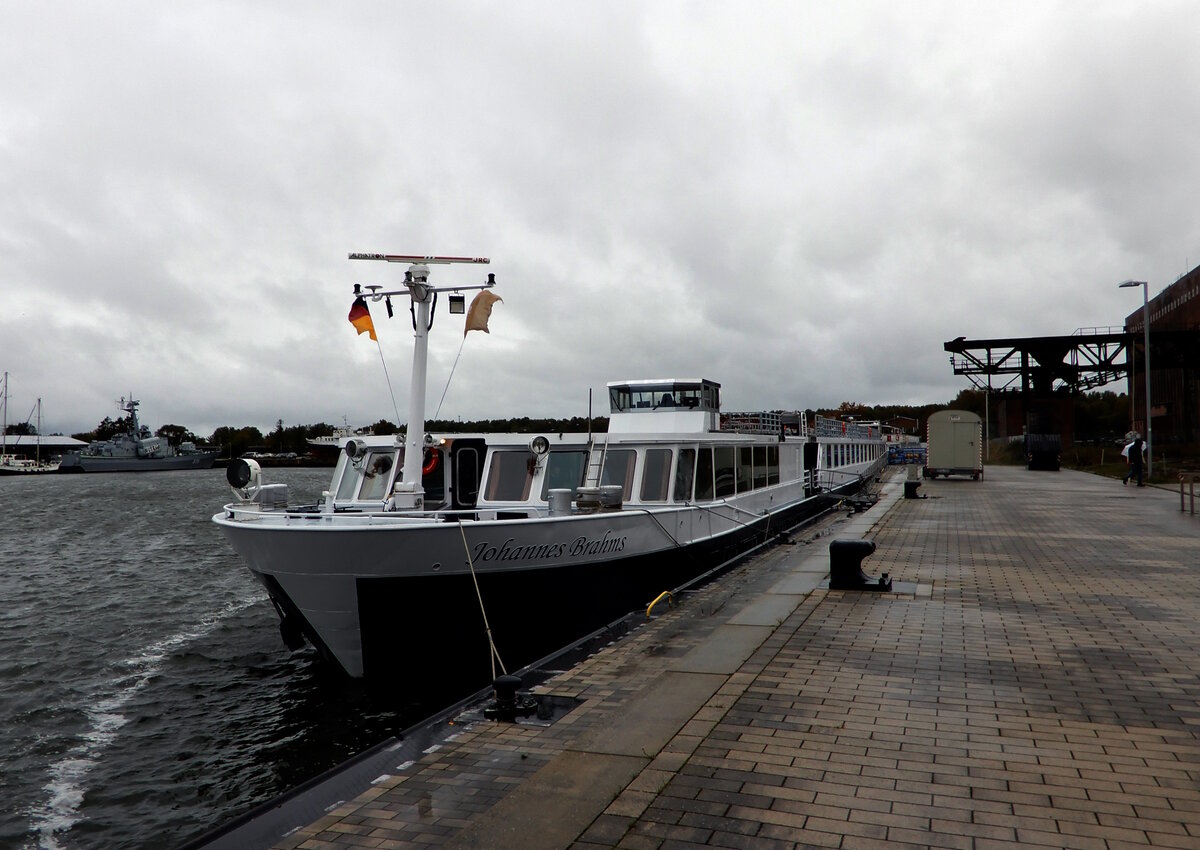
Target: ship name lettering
486,551
506,551
605,545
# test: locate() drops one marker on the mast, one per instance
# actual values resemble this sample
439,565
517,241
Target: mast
408,493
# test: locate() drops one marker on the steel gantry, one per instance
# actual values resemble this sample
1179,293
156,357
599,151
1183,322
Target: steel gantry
1045,365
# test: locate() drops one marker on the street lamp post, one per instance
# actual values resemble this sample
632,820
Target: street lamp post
1146,345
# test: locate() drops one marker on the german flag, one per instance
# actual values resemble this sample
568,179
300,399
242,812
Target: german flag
360,317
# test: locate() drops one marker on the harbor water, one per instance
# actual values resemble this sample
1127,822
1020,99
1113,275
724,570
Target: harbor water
145,694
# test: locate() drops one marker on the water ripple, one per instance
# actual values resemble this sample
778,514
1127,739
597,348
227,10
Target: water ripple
145,695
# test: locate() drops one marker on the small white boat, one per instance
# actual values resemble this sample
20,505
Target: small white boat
428,551
20,464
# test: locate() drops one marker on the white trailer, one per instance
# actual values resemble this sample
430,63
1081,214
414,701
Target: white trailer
954,444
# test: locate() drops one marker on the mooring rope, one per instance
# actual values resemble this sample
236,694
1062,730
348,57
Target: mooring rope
479,595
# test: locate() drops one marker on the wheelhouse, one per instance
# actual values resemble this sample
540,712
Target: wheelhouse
664,405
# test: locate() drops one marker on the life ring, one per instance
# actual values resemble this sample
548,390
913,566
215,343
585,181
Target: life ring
431,462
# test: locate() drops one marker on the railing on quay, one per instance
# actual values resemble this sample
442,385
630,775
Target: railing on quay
1189,479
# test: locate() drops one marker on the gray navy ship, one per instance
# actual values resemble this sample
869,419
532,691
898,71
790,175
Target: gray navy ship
136,450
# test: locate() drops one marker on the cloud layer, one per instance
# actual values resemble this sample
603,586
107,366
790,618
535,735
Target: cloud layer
800,201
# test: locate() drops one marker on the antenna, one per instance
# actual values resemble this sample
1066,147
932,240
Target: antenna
414,258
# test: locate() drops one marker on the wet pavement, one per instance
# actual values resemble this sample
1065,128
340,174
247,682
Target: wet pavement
1030,680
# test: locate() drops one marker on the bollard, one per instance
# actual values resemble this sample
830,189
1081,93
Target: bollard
507,705
1190,479
845,567
910,489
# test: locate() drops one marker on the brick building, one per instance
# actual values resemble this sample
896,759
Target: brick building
1174,362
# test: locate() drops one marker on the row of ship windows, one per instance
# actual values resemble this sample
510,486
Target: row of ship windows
844,454
701,473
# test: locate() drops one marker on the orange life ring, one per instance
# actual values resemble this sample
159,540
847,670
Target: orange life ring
431,462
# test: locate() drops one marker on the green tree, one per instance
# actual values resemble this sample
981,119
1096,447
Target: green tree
1101,416
176,434
972,400
237,440
853,408
106,430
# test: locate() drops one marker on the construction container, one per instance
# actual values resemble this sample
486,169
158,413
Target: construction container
954,444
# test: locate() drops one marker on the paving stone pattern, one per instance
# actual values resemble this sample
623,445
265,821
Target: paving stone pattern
1038,689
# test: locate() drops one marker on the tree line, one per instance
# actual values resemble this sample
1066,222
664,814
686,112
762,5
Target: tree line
1098,416
234,441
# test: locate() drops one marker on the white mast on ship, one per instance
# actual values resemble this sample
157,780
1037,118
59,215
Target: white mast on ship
408,493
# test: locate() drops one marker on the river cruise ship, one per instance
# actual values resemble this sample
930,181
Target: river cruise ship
431,552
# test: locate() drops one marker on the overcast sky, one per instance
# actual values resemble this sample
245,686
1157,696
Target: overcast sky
799,200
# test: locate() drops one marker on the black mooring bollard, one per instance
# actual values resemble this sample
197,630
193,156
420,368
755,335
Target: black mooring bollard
845,567
507,705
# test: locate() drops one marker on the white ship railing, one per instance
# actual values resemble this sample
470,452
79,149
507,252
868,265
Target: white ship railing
827,427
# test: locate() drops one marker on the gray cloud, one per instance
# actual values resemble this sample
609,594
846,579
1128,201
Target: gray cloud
801,202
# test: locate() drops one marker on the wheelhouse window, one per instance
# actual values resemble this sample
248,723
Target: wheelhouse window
704,475
433,482
705,395
367,478
685,473
656,475
690,397
618,469
510,477
760,467
564,470
745,469
725,468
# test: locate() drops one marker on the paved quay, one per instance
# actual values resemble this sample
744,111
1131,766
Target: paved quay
1031,681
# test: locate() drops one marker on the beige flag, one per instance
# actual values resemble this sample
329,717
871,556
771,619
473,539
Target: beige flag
480,311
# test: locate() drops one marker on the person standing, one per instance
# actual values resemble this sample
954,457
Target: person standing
1135,453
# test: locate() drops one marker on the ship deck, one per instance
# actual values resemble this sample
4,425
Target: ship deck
1030,680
